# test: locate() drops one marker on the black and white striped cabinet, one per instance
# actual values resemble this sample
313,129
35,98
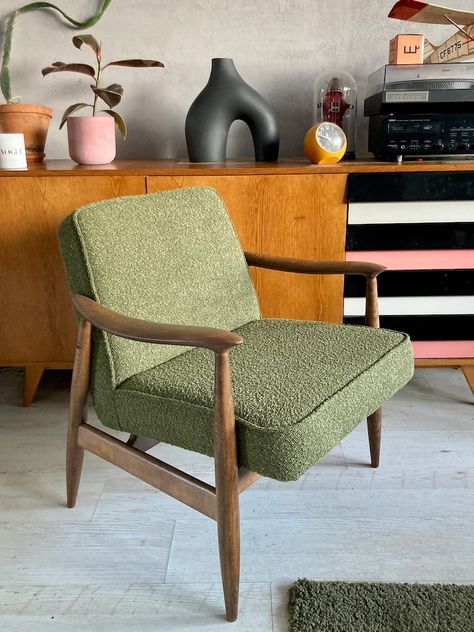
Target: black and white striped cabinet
420,225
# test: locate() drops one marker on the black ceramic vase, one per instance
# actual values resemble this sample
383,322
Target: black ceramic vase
225,99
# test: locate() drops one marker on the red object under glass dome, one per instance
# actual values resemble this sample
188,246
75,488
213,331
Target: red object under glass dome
335,100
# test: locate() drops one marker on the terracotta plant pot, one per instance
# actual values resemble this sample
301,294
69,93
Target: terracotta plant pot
30,120
91,139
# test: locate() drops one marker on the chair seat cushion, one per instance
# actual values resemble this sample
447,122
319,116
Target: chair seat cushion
299,388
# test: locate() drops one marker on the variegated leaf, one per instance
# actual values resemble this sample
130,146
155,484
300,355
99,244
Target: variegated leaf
71,109
118,121
136,63
111,97
83,69
90,41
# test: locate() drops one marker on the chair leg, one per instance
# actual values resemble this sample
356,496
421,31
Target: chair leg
228,529
77,411
74,462
227,492
374,427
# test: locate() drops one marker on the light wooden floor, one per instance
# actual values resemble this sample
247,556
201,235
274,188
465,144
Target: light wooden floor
128,558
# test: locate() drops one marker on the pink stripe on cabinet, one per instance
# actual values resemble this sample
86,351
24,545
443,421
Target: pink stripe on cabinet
416,259
443,349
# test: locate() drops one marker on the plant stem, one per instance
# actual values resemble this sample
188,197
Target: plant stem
97,79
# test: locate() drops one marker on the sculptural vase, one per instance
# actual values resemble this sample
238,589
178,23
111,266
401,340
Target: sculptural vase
225,99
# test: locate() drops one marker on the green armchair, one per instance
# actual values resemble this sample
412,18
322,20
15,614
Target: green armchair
273,397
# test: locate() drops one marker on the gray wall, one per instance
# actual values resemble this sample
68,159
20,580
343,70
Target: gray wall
279,47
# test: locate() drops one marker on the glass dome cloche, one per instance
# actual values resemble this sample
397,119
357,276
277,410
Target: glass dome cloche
335,100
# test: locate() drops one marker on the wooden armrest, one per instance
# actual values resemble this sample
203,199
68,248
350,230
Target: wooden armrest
217,340
308,266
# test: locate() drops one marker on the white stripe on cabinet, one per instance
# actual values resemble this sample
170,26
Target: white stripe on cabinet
410,212
413,305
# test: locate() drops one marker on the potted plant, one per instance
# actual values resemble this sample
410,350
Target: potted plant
29,119
92,138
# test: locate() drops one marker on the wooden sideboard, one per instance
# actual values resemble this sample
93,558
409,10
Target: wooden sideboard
290,208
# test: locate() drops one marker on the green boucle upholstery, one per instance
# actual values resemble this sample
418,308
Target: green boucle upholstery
169,257
173,257
299,388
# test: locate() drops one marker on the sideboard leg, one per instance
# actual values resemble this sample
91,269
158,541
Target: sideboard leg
469,375
33,375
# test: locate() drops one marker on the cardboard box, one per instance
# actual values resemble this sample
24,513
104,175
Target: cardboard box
406,49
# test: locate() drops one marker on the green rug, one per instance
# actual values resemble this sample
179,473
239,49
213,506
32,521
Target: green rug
366,607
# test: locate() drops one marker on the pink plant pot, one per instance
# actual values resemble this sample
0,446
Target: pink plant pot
91,139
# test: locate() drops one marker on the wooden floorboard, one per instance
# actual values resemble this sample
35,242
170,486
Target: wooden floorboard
130,558
63,554
125,607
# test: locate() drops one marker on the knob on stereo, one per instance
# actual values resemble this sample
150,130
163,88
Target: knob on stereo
442,132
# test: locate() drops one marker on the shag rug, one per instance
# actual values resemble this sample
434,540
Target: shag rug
369,607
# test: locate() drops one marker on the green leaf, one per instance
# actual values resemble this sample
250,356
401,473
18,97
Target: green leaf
136,63
118,121
84,69
110,95
71,109
33,6
115,87
90,41
5,81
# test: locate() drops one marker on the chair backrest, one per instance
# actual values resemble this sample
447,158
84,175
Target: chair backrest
169,257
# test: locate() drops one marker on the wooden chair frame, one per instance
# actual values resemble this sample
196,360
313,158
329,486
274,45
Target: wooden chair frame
219,502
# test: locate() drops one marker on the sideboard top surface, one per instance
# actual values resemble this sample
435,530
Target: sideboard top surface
230,167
